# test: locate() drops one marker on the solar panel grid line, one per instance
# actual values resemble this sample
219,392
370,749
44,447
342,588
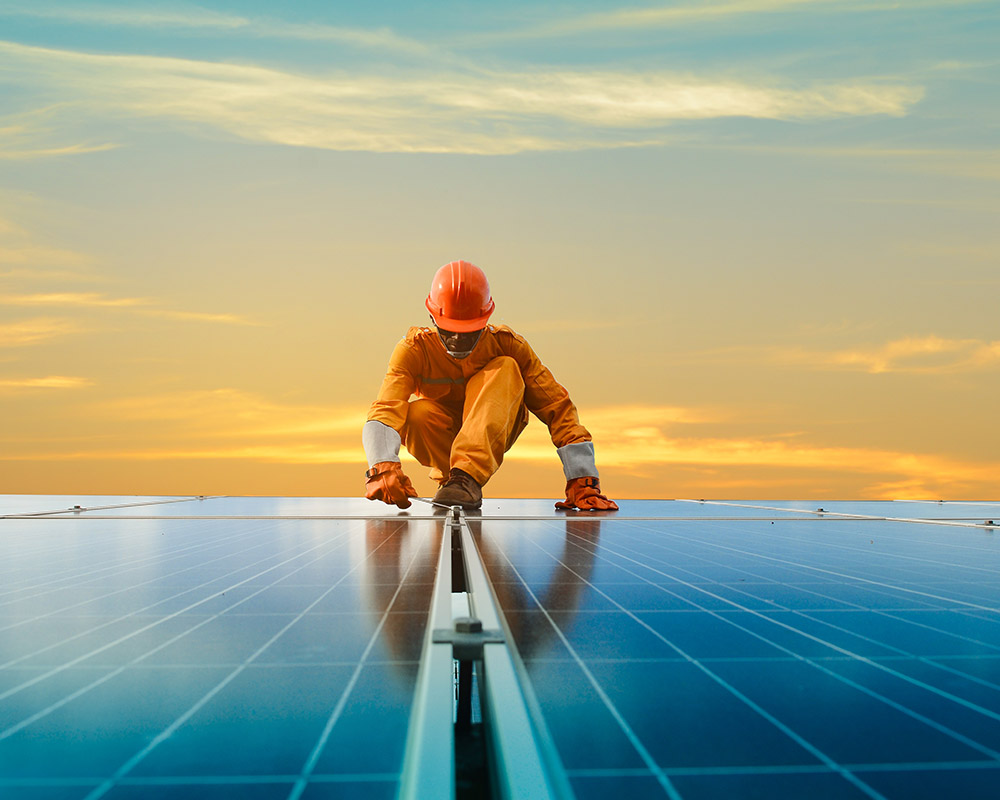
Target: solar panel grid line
913,629
805,769
883,537
185,540
854,656
523,751
833,527
217,517
841,575
885,613
859,657
104,572
847,515
311,761
140,611
80,659
165,734
630,734
874,611
818,753
81,509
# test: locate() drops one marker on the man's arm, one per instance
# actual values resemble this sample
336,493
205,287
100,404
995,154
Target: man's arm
548,400
380,437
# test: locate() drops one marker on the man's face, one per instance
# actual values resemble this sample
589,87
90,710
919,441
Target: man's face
459,345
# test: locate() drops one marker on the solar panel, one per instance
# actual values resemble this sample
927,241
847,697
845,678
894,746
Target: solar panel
821,657
295,647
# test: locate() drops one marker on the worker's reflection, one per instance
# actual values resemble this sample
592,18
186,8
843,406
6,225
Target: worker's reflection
566,584
402,563
398,577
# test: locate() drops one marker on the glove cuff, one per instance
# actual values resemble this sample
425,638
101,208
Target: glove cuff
381,442
578,460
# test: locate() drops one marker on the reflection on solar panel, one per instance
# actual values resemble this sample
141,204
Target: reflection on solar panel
304,647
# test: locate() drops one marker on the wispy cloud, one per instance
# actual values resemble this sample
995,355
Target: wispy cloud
73,299
228,423
232,412
976,163
137,305
927,355
642,440
33,134
34,331
648,442
201,20
498,112
48,382
680,14
201,316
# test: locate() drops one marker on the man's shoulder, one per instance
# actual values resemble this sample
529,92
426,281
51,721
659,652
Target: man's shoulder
505,333
410,349
418,335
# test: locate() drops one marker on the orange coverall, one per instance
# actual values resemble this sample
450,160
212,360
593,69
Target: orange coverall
466,413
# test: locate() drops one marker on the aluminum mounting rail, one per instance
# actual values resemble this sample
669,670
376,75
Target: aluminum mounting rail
522,761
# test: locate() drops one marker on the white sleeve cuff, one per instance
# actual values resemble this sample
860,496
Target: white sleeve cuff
577,460
381,442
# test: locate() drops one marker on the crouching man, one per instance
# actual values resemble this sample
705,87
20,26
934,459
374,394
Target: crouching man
457,396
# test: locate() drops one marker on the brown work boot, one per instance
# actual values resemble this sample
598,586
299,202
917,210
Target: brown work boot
460,489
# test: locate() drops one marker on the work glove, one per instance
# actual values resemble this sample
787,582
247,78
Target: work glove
585,494
386,482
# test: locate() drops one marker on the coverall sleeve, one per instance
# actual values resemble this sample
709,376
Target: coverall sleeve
546,398
392,403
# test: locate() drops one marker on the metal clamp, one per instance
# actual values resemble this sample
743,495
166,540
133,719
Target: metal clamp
467,638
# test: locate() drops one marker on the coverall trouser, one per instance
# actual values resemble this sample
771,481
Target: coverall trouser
493,416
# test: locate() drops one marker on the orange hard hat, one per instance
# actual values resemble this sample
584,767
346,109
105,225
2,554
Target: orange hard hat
460,299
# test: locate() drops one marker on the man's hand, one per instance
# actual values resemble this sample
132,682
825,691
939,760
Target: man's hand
585,494
386,482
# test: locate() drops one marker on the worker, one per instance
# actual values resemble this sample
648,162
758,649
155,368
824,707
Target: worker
457,395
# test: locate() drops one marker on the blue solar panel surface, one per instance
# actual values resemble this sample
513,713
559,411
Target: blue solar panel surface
143,658
760,658
269,647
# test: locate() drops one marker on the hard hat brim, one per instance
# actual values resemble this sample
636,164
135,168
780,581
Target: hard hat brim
459,325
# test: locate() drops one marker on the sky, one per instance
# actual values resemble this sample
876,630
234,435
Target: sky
755,239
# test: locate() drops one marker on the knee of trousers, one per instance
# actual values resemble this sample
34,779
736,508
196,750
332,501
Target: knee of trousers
425,417
508,368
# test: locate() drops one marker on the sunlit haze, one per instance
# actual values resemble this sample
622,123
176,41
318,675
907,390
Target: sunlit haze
756,240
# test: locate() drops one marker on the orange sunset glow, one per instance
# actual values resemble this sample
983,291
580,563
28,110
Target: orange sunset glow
758,248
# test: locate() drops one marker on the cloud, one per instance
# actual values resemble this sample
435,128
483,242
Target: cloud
74,299
927,355
18,250
676,15
137,305
49,382
576,325
484,112
647,442
226,412
26,136
200,316
644,441
922,355
974,163
34,331
197,19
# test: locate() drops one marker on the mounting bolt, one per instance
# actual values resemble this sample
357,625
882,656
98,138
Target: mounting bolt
468,625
